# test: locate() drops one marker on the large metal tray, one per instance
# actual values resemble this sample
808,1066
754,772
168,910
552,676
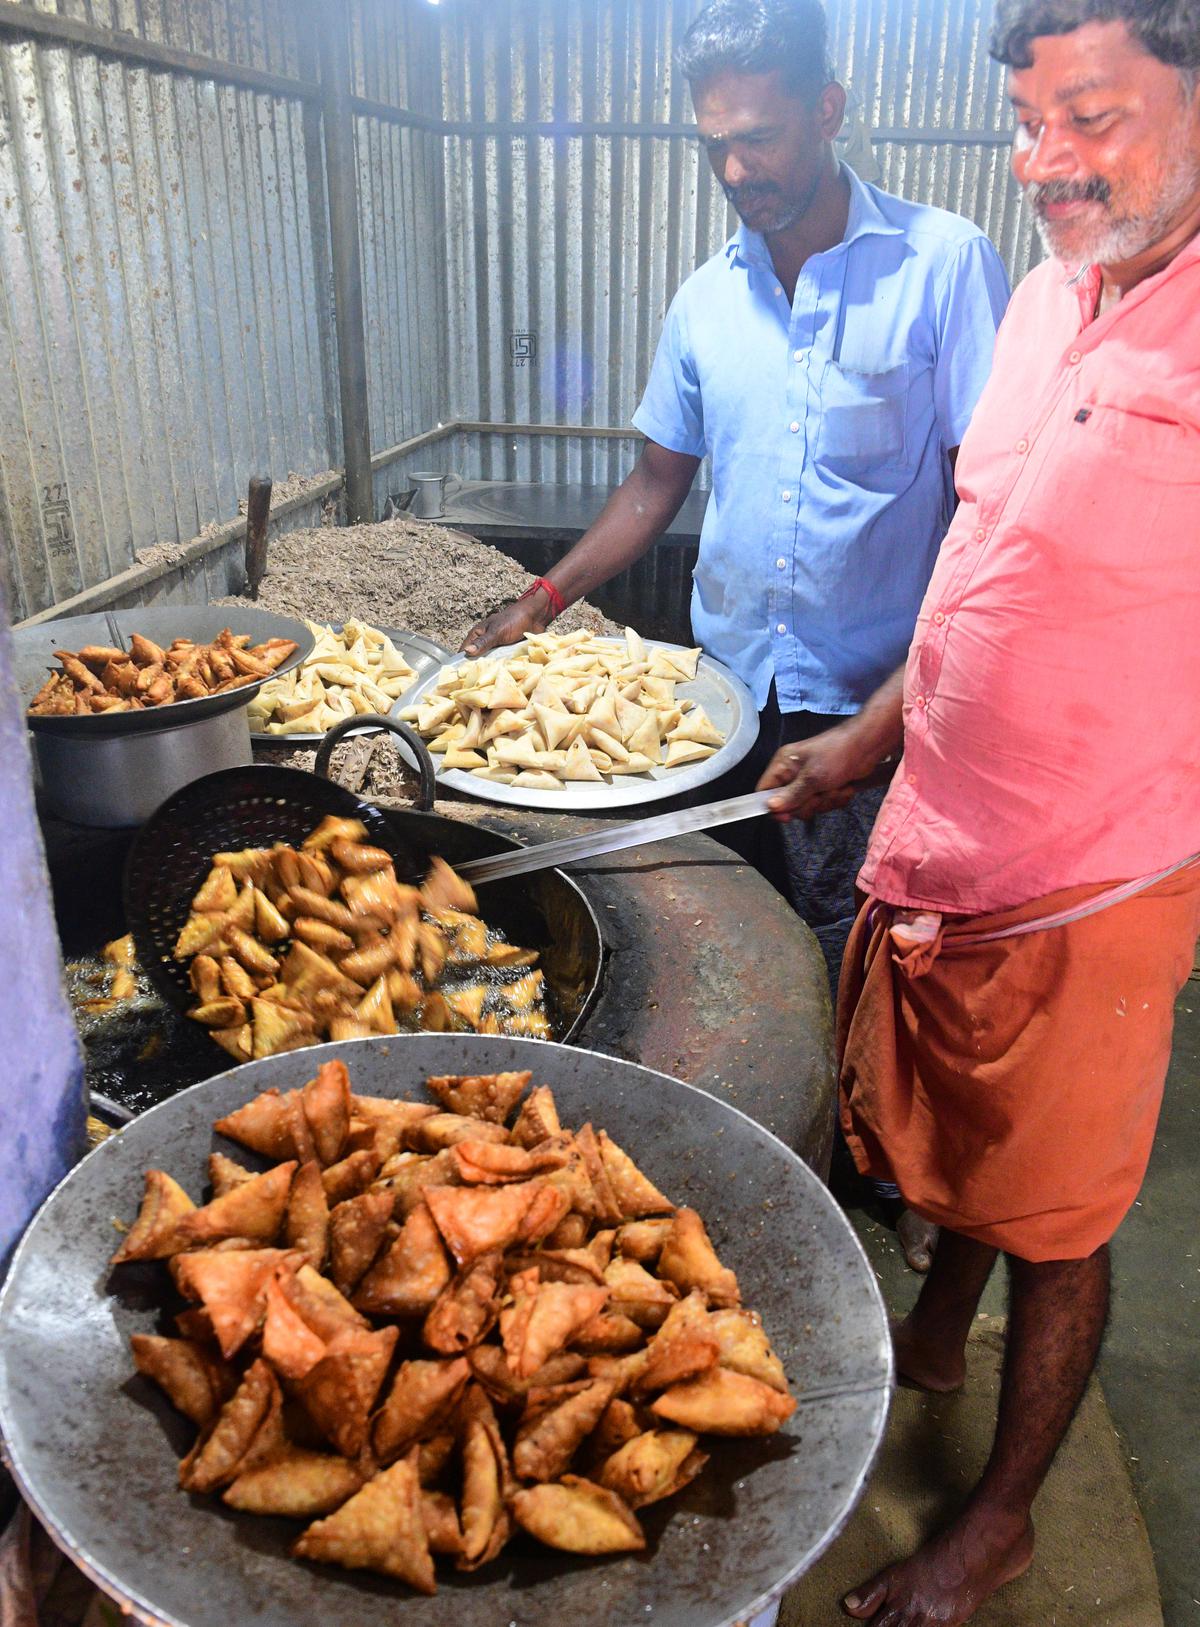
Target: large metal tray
421,653
34,647
725,698
93,1446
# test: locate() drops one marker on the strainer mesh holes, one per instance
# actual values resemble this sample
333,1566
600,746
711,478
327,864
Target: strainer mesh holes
232,809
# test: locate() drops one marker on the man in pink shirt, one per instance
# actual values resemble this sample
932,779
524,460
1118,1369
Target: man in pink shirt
1033,886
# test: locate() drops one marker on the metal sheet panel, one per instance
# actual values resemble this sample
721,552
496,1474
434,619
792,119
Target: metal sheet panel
401,205
261,34
158,334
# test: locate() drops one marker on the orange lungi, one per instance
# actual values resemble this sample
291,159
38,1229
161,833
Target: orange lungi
1011,1089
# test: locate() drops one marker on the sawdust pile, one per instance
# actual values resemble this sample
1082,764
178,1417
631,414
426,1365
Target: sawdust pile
404,573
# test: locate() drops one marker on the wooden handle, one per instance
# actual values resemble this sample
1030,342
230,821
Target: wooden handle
258,508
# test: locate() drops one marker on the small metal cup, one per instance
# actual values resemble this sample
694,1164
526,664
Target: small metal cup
428,494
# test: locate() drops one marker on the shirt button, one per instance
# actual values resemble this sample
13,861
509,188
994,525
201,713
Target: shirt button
794,427
912,779
787,496
920,701
797,355
980,534
1022,445
1075,357
781,564
938,618
782,627
778,290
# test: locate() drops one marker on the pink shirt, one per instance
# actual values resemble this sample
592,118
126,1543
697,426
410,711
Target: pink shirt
1052,692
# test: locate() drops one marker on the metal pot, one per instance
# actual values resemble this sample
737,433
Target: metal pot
117,780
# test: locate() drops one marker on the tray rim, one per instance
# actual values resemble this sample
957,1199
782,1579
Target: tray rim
629,790
144,1611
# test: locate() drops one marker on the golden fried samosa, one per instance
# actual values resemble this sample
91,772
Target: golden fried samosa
297,1483
578,1517
214,1460
380,1528
356,1233
653,1466
409,1276
339,1392
195,1381
154,1235
479,1220
306,1224
689,1260
423,1393
555,1426
466,1309
543,1317
253,1209
232,1288
488,1096
537,1119
326,1102
743,1346
721,1402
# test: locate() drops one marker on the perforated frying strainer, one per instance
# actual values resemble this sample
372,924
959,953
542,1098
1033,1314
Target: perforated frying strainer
232,809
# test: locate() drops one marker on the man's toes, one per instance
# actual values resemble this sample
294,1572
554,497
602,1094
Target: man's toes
918,1238
866,1600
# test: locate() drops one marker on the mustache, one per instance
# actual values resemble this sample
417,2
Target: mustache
749,192
1050,192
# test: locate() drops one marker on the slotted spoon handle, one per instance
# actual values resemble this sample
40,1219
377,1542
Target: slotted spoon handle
374,721
548,855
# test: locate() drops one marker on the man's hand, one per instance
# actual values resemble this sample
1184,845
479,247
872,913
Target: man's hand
818,774
509,624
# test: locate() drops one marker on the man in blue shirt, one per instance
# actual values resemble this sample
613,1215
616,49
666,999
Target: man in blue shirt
827,360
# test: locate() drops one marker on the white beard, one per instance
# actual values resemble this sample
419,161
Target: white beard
1119,238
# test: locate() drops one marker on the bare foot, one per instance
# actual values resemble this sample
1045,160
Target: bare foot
918,1238
926,1366
946,1581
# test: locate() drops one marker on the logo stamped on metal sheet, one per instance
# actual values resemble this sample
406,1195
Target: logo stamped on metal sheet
522,348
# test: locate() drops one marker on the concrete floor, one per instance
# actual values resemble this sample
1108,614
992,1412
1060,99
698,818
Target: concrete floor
1150,1366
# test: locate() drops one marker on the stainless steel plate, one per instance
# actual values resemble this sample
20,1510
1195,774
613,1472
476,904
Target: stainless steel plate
94,1447
34,648
724,697
421,653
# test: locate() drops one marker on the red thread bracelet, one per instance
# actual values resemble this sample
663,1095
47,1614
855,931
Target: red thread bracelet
557,603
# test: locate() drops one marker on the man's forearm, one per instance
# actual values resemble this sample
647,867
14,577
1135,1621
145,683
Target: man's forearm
632,520
878,730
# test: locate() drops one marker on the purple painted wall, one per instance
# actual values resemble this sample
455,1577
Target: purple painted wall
41,1069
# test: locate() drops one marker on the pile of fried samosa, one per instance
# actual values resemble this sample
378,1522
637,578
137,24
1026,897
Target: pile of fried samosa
102,678
289,947
421,1330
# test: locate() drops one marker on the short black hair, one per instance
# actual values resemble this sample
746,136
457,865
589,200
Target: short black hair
760,36
1167,29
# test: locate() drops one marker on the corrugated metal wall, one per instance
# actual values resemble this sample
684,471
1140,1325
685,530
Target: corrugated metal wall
159,339
529,201
395,56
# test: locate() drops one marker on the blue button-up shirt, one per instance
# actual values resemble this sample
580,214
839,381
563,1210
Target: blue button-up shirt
828,425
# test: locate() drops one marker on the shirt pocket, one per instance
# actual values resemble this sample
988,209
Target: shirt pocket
1115,495
862,419
1151,446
